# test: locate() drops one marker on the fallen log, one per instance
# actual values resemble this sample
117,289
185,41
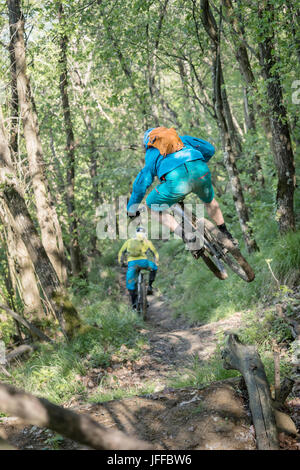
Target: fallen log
26,323
246,360
286,387
78,427
19,351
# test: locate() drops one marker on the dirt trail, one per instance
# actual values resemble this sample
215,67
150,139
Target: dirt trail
178,342
212,417
172,348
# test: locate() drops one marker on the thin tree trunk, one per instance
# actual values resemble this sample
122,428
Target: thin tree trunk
93,152
282,145
295,25
256,169
46,213
152,63
188,99
76,257
212,30
14,101
250,104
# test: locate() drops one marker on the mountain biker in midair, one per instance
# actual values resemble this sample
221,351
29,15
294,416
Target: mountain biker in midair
136,249
180,163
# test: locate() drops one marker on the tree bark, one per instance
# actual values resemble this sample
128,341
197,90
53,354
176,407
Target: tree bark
212,30
282,145
76,257
81,428
46,213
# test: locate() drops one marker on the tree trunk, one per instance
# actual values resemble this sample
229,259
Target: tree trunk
21,270
282,145
211,28
9,280
76,258
24,226
245,359
46,213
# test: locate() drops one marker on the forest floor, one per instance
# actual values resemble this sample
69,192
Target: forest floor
213,417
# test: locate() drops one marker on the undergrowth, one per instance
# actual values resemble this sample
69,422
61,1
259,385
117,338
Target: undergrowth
55,371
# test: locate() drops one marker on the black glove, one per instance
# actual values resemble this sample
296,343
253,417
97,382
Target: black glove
132,215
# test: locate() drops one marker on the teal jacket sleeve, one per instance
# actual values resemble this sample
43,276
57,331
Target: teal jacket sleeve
141,183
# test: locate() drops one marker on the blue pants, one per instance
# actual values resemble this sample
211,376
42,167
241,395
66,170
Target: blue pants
131,275
190,177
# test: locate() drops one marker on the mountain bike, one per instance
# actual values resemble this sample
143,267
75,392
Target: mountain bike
216,249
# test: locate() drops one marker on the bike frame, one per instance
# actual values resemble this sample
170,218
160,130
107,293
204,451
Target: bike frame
187,217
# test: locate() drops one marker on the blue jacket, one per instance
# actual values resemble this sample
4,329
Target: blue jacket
158,165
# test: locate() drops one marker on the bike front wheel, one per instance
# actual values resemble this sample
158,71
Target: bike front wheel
229,253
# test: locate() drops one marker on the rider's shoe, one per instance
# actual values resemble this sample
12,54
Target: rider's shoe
133,296
150,290
151,280
226,232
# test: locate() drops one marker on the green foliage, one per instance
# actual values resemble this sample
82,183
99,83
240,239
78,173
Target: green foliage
213,299
55,441
202,373
7,329
286,258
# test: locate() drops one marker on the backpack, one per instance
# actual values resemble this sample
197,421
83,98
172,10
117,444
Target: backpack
135,247
193,141
165,140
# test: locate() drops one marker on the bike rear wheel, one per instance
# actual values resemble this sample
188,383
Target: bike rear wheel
214,266
142,296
